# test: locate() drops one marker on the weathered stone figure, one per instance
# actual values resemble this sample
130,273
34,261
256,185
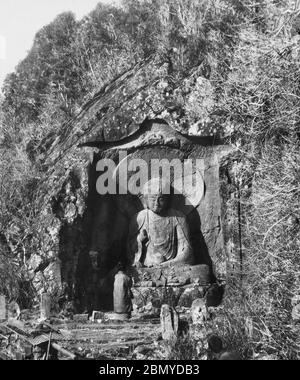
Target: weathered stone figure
45,306
3,313
122,293
159,235
169,321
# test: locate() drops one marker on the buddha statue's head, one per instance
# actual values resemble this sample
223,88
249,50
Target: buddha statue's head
156,193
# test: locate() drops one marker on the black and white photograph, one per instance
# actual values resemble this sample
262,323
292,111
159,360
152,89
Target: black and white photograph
149,183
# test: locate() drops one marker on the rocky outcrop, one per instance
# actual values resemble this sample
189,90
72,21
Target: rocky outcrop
66,225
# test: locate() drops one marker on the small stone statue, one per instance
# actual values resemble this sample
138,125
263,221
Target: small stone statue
122,293
159,235
169,321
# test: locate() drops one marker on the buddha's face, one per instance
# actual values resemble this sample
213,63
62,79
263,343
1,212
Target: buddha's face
157,202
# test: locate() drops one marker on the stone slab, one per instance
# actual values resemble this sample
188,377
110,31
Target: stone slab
3,313
45,307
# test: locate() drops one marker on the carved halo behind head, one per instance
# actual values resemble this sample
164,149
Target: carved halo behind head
184,198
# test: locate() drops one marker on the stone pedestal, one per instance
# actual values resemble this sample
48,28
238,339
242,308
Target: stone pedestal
175,286
182,296
173,275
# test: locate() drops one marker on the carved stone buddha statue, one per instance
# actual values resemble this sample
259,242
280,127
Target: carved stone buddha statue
159,235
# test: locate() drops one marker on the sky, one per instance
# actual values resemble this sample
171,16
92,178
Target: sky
20,20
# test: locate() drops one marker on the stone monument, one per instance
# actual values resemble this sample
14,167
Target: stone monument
172,243
169,321
2,308
122,294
